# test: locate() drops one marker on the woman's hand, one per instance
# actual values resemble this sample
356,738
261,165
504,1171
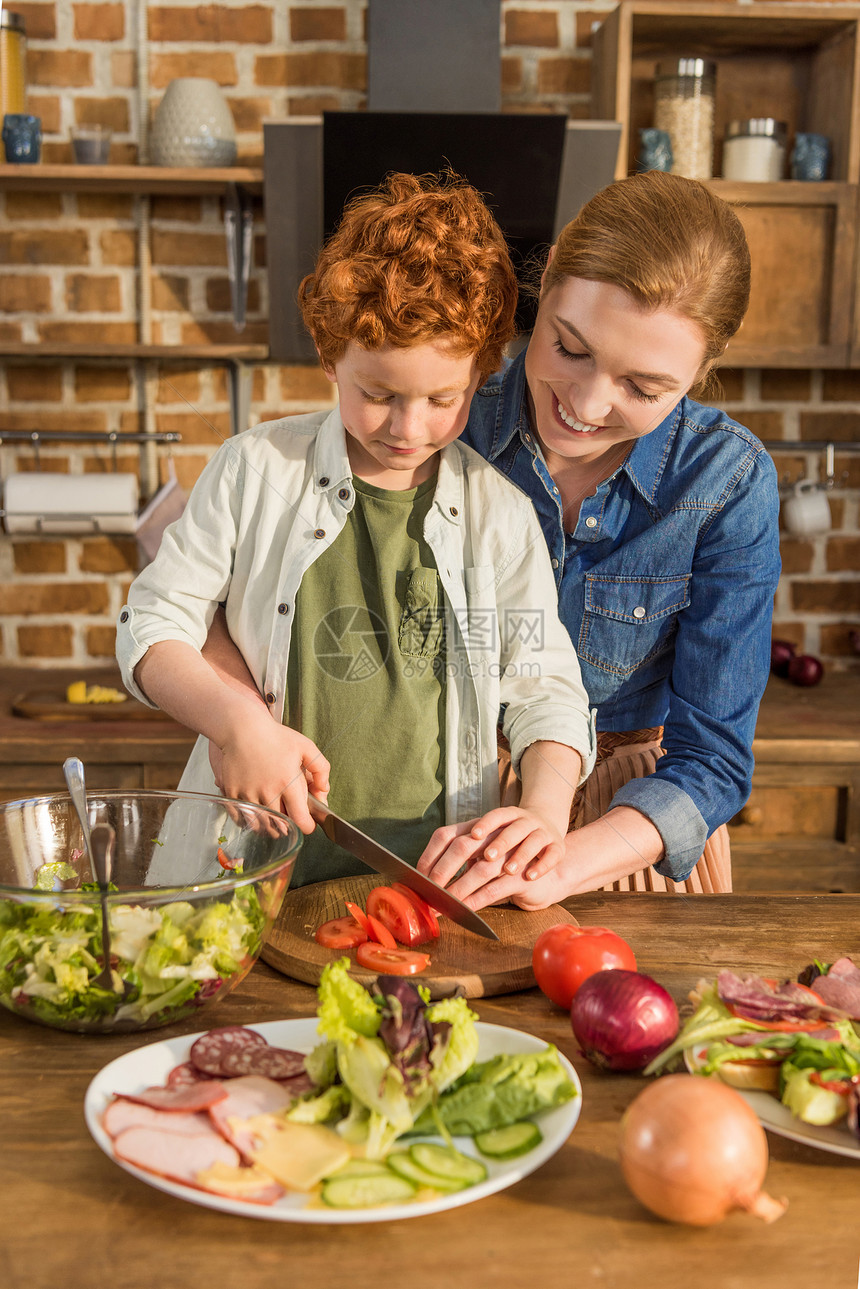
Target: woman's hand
503,853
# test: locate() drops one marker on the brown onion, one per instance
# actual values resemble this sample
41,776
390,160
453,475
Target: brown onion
692,1150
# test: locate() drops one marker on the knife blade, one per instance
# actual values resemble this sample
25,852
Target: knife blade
385,861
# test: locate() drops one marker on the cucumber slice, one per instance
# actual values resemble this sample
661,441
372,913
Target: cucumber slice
450,1164
367,1191
402,1163
509,1142
361,1168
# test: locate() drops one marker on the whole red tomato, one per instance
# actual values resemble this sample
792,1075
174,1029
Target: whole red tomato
565,955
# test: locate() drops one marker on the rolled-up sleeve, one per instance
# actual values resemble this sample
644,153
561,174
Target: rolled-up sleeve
175,597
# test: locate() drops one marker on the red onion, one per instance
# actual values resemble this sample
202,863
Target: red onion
622,1019
805,670
781,654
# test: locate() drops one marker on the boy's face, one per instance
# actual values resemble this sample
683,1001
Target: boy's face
400,407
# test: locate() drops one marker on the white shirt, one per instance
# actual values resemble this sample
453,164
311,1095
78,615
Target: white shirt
266,506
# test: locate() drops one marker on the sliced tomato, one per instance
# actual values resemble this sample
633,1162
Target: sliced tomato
391,962
842,1086
340,933
426,913
379,932
360,916
397,914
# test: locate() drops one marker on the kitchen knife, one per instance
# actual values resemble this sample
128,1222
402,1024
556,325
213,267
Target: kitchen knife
393,867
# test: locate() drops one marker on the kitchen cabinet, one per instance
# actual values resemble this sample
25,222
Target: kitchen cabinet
800,829
799,64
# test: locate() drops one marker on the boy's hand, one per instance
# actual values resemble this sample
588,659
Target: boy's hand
272,765
503,852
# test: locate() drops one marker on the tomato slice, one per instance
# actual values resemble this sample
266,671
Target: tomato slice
426,913
842,1086
340,933
391,962
360,916
379,932
396,913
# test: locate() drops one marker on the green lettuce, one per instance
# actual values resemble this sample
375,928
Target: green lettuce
501,1091
345,1008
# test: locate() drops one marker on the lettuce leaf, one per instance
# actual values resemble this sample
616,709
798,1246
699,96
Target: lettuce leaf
346,1010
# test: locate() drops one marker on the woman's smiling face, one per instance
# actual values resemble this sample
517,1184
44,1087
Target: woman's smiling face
602,370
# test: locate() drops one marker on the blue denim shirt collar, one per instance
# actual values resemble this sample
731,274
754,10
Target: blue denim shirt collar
644,464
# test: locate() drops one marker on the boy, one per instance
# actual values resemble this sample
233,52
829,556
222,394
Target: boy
388,591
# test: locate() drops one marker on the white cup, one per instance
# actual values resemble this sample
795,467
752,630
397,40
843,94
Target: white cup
806,511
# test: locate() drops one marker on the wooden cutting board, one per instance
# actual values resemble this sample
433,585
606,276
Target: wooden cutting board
459,960
51,705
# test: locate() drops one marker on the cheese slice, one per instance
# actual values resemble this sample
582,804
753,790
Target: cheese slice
298,1155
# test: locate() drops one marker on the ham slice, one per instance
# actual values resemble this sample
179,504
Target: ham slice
174,1155
122,1114
754,998
182,1098
245,1098
841,987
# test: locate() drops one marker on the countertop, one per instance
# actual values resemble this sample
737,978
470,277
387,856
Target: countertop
793,722
72,1216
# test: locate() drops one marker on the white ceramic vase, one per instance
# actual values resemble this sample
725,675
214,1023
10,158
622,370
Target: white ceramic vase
193,126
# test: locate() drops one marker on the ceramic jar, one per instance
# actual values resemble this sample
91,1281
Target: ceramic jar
193,126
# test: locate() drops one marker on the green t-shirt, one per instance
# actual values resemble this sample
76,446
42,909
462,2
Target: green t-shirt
365,678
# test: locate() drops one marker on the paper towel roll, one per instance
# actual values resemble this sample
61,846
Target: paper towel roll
38,502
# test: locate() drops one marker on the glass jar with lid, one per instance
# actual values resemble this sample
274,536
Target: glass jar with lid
684,108
754,150
12,43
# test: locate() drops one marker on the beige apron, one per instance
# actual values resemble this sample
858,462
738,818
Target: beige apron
620,758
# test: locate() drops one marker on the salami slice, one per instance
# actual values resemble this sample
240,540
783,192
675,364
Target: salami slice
186,1073
276,1063
298,1085
224,1051
180,1099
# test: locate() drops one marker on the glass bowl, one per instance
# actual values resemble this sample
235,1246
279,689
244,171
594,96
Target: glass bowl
199,881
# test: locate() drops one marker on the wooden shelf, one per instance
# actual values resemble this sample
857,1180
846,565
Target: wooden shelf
172,353
801,64
129,179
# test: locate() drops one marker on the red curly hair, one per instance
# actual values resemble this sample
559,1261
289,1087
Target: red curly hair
416,260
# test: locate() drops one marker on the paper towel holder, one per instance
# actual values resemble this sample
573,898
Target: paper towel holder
23,514
36,437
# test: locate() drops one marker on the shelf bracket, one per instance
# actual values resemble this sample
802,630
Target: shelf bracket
240,395
239,230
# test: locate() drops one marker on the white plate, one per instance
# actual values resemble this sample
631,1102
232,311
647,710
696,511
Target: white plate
148,1066
772,1114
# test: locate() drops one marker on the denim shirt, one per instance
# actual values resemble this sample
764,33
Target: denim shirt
666,587
264,509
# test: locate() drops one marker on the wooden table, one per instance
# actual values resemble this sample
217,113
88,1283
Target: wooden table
70,1216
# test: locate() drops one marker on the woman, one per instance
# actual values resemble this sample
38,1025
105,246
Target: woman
661,519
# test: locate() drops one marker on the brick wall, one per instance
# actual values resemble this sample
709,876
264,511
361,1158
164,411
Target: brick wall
70,270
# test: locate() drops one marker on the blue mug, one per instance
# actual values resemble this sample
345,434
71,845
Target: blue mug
810,158
22,137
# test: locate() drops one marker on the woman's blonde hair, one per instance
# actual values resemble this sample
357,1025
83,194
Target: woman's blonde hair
416,260
669,242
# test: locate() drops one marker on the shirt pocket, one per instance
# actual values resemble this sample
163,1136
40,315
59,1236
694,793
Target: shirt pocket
422,624
629,620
